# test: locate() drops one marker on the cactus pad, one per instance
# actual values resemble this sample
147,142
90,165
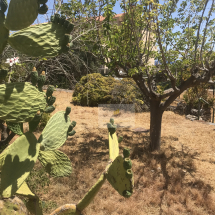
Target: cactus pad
120,178
19,102
43,1
4,35
21,14
3,5
25,190
43,40
66,209
55,134
3,74
56,163
19,160
113,144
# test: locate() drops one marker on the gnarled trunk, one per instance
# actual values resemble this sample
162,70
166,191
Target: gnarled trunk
156,114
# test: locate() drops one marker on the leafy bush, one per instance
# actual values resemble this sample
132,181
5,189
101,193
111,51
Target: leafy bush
106,90
193,94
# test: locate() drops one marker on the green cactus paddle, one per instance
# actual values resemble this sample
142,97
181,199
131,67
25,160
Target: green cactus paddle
43,40
4,35
19,160
56,163
55,133
19,102
121,178
21,14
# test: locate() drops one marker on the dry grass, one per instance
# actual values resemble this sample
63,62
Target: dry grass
177,180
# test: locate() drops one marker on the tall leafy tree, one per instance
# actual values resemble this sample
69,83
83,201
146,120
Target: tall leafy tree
179,34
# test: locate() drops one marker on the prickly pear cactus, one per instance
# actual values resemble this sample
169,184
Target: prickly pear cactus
56,163
4,35
69,209
43,40
18,160
120,176
34,77
113,141
55,133
3,5
43,9
13,206
15,128
21,14
3,74
19,102
25,190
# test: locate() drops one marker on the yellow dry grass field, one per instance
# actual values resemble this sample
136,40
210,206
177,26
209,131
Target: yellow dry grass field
180,179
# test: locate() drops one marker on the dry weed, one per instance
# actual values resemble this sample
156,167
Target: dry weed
167,182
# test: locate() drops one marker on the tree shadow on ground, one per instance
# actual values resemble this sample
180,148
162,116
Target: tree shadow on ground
175,169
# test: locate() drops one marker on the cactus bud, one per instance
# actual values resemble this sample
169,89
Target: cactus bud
112,121
49,109
43,9
51,101
129,174
66,23
50,90
52,18
127,163
126,152
34,77
68,110
41,81
62,19
69,28
56,18
120,139
72,125
71,133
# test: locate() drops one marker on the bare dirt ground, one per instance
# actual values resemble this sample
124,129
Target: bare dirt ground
178,180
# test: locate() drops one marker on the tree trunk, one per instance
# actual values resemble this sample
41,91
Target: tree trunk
156,114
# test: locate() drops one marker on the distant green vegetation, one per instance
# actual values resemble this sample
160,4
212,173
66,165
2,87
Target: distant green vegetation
106,90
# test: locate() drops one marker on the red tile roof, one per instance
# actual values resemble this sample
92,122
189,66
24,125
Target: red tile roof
100,18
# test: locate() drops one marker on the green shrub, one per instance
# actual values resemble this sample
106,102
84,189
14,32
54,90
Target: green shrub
44,120
106,90
192,95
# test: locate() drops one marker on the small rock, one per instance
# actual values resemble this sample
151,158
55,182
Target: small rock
191,117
